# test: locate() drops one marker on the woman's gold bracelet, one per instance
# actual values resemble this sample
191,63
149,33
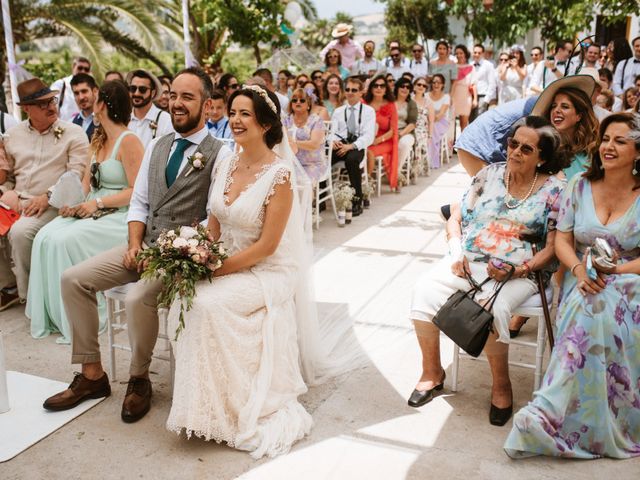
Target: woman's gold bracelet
574,267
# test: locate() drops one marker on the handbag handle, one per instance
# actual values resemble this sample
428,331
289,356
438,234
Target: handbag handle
492,298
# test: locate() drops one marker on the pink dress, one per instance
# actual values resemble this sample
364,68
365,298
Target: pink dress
461,96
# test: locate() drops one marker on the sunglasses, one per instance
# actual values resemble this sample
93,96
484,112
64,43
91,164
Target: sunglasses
404,87
83,69
417,51
298,100
524,148
234,86
379,85
142,89
46,103
502,60
352,90
95,176
423,85
395,56
317,77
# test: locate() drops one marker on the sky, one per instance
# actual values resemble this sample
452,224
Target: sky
328,8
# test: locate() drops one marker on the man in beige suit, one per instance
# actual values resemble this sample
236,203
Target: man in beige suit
38,151
163,198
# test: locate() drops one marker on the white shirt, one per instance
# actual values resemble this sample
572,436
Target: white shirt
486,80
365,126
9,121
399,70
601,113
364,66
543,77
532,69
69,107
617,105
631,68
142,127
419,69
139,205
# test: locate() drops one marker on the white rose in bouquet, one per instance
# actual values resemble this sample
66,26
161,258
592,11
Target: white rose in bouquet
188,232
180,242
192,242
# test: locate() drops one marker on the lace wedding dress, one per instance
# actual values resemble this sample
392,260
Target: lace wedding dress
238,372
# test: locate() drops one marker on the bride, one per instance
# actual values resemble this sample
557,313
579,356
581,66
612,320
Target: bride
247,342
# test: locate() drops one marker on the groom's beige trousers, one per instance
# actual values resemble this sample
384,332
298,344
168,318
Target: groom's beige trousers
102,272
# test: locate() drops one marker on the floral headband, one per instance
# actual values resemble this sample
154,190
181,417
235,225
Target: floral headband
263,93
311,93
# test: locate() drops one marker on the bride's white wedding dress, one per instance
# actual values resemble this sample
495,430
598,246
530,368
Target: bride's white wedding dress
238,375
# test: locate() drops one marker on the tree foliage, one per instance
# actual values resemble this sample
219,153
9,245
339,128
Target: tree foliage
415,20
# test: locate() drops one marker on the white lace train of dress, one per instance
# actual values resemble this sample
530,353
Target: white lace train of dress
237,373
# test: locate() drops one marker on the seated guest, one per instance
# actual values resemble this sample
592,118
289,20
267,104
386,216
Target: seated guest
147,121
333,93
380,97
589,402
438,104
505,201
218,123
113,75
38,151
422,125
266,75
407,118
317,107
629,99
317,77
391,81
302,80
80,232
6,122
85,90
306,134
283,87
353,125
333,63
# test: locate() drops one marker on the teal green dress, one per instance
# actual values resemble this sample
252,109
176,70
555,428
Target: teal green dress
579,164
65,242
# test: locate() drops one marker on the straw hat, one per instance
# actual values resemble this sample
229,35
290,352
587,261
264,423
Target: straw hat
33,91
585,81
341,29
156,85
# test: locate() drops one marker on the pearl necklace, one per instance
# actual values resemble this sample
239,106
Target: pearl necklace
511,206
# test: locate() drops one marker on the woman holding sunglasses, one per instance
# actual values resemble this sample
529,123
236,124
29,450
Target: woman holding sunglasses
407,118
505,201
385,144
95,225
333,63
333,93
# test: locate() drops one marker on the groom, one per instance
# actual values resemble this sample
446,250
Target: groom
166,195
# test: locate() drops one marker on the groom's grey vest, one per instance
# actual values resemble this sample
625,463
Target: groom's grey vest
185,202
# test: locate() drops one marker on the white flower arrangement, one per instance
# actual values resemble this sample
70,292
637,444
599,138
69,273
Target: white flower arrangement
197,161
57,133
367,189
343,194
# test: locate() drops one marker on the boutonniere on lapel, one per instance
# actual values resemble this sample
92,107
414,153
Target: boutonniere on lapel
57,133
154,127
196,162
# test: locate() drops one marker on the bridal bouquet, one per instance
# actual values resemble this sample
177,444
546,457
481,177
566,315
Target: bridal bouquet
181,258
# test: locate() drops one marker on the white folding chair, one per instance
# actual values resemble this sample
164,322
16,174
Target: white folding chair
117,322
379,173
530,308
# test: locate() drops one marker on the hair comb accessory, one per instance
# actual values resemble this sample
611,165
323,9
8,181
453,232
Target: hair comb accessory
263,93
311,93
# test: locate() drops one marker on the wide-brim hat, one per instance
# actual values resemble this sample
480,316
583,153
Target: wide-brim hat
585,83
341,29
154,80
33,91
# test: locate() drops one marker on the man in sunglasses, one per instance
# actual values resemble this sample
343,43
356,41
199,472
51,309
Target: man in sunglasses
66,102
418,65
369,65
397,67
147,121
39,151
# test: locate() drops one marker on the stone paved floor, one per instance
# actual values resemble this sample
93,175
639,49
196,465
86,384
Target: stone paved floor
363,427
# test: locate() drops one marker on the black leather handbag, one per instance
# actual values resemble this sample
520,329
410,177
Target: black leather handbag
465,321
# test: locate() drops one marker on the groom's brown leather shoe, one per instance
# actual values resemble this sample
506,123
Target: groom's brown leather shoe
80,389
137,400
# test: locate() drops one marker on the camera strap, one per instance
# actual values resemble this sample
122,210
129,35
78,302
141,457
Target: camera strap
346,122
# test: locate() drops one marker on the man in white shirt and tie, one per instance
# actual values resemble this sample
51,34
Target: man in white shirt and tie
418,65
353,126
486,82
627,70
148,122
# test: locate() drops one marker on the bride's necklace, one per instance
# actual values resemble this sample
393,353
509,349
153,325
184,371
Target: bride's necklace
508,203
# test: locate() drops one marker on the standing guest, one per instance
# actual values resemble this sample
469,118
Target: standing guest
66,103
333,63
228,83
589,403
369,65
607,59
38,151
306,134
397,67
395,44
349,49
218,123
636,82
163,198
283,87
629,99
380,97
333,95
163,101
463,94
267,76
627,70
407,118
112,75
422,125
552,69
488,56
532,69
418,65
85,92
87,229
438,110
353,125
591,58
317,77
486,84
512,76
444,65
317,107
147,120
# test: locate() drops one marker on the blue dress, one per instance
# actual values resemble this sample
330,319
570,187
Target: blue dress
65,242
589,402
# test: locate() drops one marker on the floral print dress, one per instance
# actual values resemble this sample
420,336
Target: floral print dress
589,402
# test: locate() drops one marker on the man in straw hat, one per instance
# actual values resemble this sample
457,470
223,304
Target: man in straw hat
38,151
348,48
147,121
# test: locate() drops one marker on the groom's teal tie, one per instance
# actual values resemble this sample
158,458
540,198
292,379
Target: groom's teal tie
173,166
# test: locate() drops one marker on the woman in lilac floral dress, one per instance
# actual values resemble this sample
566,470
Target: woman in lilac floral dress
589,402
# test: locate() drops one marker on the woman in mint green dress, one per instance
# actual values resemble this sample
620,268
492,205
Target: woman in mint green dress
589,402
75,235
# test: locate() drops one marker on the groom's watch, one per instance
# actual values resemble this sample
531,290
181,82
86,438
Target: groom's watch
99,203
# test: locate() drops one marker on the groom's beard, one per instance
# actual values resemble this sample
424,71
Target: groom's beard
181,124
